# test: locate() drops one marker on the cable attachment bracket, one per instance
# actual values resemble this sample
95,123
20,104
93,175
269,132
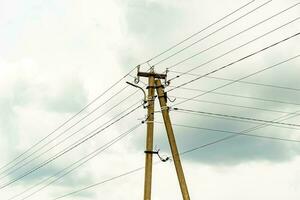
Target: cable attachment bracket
156,152
145,96
167,82
137,78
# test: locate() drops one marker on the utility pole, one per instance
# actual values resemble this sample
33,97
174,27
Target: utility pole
149,139
175,154
154,81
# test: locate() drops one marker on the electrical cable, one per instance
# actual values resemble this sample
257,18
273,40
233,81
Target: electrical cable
237,48
233,132
239,60
102,94
279,119
232,105
242,82
59,135
233,36
117,82
81,161
237,96
252,74
71,135
68,120
235,117
125,76
67,150
214,32
182,153
254,121
194,34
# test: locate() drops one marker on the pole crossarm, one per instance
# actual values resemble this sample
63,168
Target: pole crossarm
149,74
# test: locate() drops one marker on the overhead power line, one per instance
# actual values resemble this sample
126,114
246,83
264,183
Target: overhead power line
236,48
279,119
233,105
233,132
70,168
182,153
11,170
239,60
67,150
62,133
235,95
112,86
247,76
214,32
100,183
235,35
242,82
235,117
254,121
198,32
223,139
64,123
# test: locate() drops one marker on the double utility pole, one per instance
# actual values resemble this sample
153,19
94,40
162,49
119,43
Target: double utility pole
154,83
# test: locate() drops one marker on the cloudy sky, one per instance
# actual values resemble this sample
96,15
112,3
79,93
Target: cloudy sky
57,56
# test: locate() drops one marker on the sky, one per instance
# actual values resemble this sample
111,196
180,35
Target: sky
57,56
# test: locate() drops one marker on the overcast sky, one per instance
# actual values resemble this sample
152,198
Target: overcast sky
57,56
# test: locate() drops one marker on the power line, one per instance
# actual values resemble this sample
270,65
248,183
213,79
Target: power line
240,120
81,161
239,60
232,119
49,149
113,85
102,182
236,48
68,120
117,82
242,82
279,119
235,35
235,117
59,135
235,95
194,34
214,32
222,86
233,105
182,153
69,149
188,151
238,133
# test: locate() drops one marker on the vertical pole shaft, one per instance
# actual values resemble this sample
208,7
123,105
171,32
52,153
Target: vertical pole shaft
172,141
149,142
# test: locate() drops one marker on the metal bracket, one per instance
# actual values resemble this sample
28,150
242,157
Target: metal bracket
137,78
159,156
167,83
151,152
145,96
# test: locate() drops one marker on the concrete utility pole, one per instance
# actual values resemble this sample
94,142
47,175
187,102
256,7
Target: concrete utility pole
154,81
